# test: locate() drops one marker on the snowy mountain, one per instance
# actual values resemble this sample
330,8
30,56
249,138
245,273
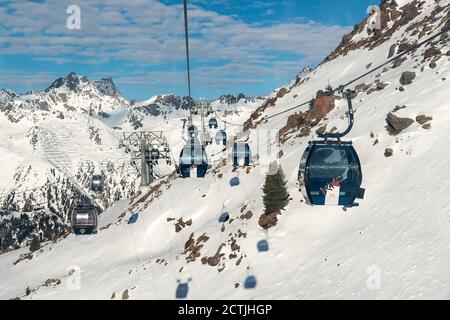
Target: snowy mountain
108,88
51,147
393,246
174,108
54,141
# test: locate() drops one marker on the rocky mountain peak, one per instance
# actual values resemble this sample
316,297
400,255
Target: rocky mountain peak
305,71
232,99
107,87
72,81
7,95
168,100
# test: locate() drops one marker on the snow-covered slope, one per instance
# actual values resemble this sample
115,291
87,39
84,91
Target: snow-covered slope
55,140
398,238
52,146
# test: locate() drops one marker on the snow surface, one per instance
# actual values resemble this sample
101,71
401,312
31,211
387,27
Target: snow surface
400,229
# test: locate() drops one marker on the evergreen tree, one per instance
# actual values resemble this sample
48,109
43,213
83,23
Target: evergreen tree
35,244
275,196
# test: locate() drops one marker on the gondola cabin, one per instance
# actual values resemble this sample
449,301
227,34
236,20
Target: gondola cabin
195,110
213,123
208,138
193,160
154,154
84,218
241,154
330,174
192,131
97,183
221,137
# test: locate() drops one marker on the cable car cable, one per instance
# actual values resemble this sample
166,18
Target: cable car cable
342,87
186,34
229,123
444,30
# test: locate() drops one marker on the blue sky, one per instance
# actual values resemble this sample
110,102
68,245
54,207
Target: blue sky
249,46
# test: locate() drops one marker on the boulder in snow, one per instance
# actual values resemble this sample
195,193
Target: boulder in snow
395,124
267,221
388,152
407,78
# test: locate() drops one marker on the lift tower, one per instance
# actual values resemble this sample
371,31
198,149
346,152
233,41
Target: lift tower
148,147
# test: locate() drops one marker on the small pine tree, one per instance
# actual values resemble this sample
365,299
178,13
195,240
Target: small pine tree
35,244
275,196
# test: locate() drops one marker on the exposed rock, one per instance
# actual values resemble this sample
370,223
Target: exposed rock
398,108
378,87
392,19
193,247
422,119
281,93
407,78
52,282
294,122
405,46
232,99
107,87
234,246
381,85
247,216
304,132
189,242
180,224
321,130
388,152
398,62
250,123
22,257
431,52
304,121
362,87
125,295
395,124
392,50
322,105
214,260
267,221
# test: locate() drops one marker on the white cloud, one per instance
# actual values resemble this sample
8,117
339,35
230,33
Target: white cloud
148,33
